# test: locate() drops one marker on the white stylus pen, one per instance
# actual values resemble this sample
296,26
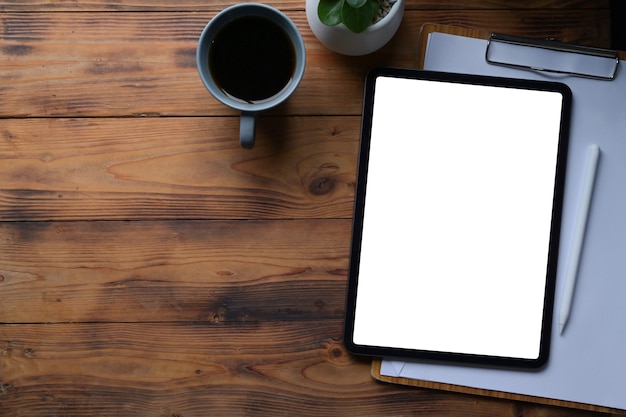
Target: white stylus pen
593,154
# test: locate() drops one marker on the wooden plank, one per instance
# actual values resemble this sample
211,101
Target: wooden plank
194,369
177,168
129,64
200,271
204,5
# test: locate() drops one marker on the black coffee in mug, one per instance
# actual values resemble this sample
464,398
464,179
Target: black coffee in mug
252,59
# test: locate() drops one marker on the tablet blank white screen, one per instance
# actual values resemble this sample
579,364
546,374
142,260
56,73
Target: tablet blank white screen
457,218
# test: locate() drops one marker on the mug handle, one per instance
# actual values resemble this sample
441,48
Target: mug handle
247,129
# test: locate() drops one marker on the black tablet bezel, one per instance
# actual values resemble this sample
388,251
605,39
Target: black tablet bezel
357,228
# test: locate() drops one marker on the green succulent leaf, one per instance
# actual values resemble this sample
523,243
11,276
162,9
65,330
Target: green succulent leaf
358,19
329,11
356,3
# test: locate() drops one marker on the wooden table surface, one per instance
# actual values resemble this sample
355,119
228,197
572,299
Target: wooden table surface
149,266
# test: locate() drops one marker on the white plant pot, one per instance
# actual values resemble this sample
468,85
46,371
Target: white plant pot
340,39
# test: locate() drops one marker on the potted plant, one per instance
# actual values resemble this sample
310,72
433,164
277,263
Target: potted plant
354,27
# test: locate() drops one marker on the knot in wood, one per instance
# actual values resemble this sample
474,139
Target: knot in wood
322,185
337,354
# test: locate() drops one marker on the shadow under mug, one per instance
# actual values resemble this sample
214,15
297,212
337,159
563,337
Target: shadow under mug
248,108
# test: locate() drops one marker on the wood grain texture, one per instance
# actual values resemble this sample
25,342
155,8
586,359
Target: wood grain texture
153,271
191,369
151,267
177,168
134,64
199,5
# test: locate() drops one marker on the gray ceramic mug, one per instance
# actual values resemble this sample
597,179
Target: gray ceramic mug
251,57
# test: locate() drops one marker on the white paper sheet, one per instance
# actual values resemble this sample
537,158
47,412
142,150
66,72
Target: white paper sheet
588,362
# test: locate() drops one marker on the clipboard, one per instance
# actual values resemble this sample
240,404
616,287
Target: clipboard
469,389
429,28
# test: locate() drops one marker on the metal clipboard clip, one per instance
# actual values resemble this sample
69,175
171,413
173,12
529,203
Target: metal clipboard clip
552,56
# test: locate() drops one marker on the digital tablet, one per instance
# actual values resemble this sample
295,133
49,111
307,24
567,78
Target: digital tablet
457,218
